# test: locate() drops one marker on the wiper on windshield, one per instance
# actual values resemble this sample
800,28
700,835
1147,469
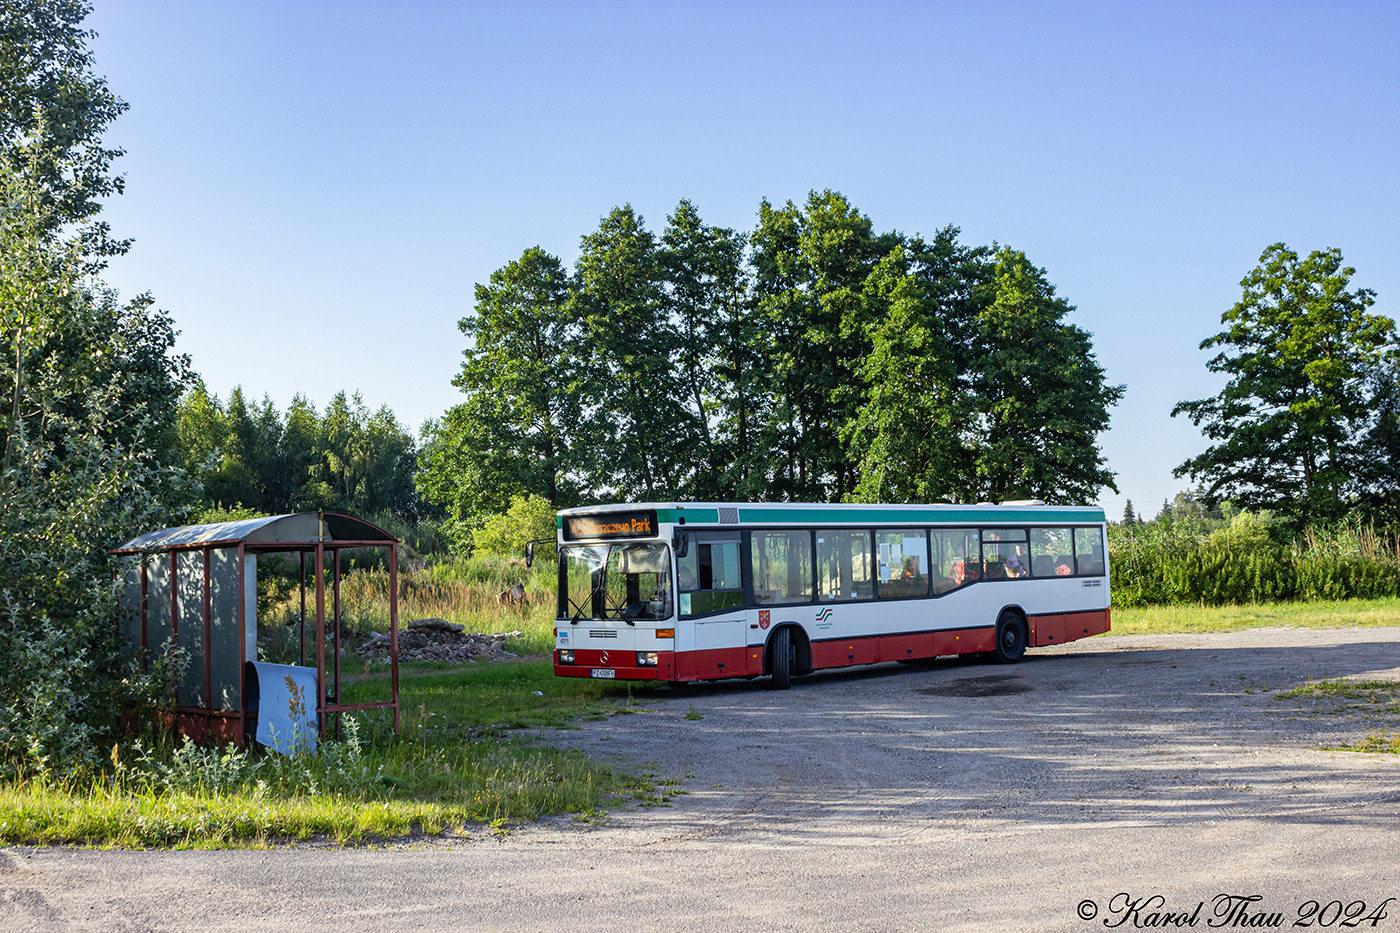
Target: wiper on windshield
588,600
582,608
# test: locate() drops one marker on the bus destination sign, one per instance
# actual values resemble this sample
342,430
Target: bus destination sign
613,525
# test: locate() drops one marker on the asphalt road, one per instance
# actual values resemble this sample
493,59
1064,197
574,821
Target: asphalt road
1077,784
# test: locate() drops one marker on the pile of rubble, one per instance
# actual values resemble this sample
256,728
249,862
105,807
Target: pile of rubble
439,640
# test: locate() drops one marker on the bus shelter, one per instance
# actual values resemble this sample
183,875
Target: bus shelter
194,588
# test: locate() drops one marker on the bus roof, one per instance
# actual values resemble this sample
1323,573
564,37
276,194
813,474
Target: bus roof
802,513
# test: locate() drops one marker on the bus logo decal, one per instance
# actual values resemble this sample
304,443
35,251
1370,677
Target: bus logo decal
765,618
824,614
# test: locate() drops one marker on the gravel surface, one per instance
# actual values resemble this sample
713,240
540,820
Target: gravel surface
939,797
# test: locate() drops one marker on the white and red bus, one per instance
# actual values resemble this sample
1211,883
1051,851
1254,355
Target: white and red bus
703,591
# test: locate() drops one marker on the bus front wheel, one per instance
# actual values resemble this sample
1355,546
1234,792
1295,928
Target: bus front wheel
780,664
1011,638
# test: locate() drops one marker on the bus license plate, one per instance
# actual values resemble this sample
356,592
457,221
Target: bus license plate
603,673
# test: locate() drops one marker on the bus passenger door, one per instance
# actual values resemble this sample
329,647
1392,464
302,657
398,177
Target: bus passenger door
711,591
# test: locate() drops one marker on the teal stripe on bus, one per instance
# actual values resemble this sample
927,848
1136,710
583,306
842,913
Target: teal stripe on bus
703,516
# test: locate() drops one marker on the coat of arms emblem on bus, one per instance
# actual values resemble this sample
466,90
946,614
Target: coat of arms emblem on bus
765,618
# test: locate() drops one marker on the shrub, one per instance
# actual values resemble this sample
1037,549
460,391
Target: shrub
1172,562
529,518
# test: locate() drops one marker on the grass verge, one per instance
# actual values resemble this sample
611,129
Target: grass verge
1167,620
1369,699
455,768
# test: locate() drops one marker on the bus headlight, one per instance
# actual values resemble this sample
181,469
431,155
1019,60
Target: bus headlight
566,656
646,658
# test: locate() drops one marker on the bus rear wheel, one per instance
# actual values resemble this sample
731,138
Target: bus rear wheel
1011,638
780,663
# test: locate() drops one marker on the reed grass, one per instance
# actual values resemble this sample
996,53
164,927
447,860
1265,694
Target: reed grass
465,591
1178,562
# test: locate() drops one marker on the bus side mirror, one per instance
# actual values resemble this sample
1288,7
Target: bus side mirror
681,543
529,555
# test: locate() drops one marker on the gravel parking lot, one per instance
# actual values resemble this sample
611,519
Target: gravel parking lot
1058,794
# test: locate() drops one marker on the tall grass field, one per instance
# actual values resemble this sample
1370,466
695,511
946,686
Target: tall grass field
1245,562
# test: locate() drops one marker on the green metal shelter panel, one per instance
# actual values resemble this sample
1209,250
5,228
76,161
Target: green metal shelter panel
129,603
224,628
189,629
157,604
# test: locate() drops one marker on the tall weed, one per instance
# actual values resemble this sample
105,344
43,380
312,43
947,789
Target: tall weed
463,590
1166,562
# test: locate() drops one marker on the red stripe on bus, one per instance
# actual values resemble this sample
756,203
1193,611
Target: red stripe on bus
1058,628
720,663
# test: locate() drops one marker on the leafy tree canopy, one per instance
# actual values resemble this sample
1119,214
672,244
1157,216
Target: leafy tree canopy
51,101
814,358
1304,358
89,383
349,459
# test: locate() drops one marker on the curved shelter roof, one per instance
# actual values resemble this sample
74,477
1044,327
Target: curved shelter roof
300,528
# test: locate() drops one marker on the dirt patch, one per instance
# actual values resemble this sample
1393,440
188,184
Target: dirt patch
992,685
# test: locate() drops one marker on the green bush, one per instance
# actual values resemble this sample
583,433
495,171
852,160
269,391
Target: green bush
529,518
1171,562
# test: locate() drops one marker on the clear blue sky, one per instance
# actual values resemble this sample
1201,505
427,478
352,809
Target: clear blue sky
314,188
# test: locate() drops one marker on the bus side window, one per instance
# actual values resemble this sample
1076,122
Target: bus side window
1004,551
1049,550
1088,551
957,557
707,578
903,566
782,567
843,565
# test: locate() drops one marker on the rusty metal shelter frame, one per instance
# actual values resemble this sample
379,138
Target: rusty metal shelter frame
317,534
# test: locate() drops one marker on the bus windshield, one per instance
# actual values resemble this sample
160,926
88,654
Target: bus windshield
630,582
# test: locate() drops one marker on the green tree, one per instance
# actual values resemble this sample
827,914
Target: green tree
910,429
89,436
975,386
704,284
830,362
1129,516
297,453
50,98
248,456
1037,395
521,375
1379,468
365,462
201,429
638,434
236,482
529,518
524,381
810,268
1302,355
392,459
